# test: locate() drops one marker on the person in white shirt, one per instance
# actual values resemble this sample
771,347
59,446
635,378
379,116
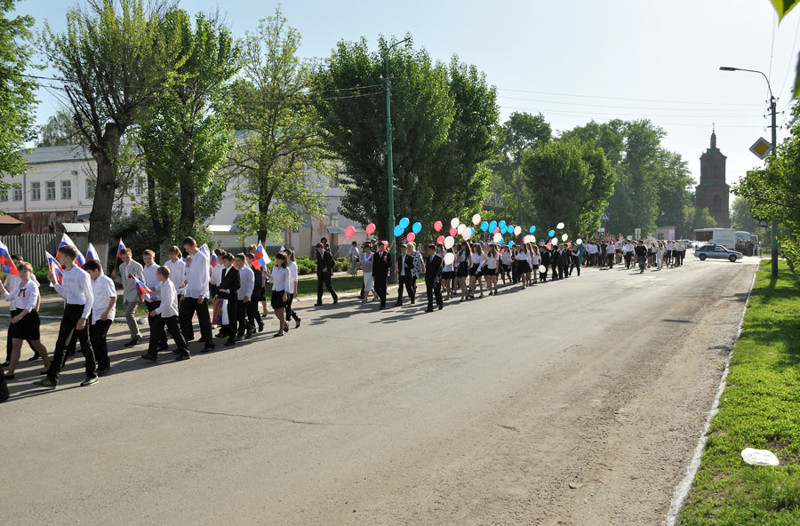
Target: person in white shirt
196,296
129,269
475,270
627,252
176,266
505,261
492,260
281,281
152,283
76,289
367,259
166,314
253,316
103,306
354,259
244,295
12,280
290,312
24,324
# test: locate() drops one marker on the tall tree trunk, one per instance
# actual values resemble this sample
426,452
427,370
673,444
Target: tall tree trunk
188,199
103,204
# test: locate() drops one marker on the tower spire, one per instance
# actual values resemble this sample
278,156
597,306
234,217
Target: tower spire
713,136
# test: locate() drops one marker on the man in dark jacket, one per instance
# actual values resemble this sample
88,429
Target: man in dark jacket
381,266
325,264
228,288
433,278
406,275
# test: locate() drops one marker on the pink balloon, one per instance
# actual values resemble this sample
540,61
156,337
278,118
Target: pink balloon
440,240
437,226
385,244
410,237
349,231
496,230
569,245
453,232
370,229
549,246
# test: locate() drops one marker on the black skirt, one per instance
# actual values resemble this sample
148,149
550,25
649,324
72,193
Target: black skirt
463,270
276,300
473,270
489,271
27,328
448,275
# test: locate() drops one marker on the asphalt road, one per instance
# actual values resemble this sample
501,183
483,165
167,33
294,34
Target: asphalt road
574,402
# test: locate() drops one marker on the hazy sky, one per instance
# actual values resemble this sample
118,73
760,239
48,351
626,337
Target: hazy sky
572,61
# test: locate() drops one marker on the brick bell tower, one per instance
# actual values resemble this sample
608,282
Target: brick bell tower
712,192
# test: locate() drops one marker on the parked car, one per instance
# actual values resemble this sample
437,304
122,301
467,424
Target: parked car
716,252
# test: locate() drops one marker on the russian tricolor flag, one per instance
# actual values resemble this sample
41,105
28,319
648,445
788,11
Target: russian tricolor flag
67,241
55,267
260,258
6,262
144,290
120,248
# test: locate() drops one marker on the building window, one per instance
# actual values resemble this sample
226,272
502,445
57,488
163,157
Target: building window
139,186
18,193
36,191
50,186
3,196
66,189
333,221
90,184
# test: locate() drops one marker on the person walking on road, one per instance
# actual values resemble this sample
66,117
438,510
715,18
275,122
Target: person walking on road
196,298
381,267
128,270
325,265
433,278
104,304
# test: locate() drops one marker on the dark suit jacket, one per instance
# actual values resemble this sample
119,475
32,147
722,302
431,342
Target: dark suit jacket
325,260
229,282
381,265
433,268
409,264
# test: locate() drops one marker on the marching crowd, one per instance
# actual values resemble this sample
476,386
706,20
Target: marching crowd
188,284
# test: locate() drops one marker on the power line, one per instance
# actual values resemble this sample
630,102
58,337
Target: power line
681,108
625,98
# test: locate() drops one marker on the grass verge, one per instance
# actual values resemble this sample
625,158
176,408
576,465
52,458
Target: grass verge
760,408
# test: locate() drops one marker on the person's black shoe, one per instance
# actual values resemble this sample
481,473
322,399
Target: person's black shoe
248,335
398,304
163,347
134,341
441,307
318,304
103,371
182,357
8,376
413,301
238,338
335,300
34,358
6,363
428,310
297,323
261,328
149,357
229,343
190,339
208,348
221,334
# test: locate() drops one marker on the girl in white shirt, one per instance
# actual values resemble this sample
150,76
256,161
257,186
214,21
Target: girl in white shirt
281,285
290,312
536,260
367,261
475,270
25,325
449,273
463,259
492,264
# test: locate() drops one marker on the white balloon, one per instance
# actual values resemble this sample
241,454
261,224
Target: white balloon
449,242
454,222
461,228
554,241
533,238
476,219
466,233
565,237
560,226
449,257
579,241
517,230
542,268
498,237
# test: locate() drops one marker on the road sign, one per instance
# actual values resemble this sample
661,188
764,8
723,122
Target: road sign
761,148
637,233
606,217
763,224
601,230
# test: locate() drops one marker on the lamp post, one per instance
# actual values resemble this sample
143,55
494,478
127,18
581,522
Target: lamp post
389,167
772,239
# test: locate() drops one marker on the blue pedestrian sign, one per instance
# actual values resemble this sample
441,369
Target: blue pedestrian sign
606,217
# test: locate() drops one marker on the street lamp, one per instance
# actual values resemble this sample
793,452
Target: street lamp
773,240
389,167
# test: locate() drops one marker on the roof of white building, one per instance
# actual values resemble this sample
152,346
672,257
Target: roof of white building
57,154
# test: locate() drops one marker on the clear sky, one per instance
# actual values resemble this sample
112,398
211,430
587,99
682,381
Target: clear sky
573,61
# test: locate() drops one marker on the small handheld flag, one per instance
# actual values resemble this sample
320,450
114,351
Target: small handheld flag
67,241
91,253
144,290
55,267
120,248
260,258
6,261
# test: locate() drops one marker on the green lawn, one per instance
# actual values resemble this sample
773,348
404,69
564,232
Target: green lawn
760,408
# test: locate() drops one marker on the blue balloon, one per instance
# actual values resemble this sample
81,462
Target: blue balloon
502,229
416,227
510,244
492,226
473,230
404,222
398,230
485,226
532,229
551,233
502,224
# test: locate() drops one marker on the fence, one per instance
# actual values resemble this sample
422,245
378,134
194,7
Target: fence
32,246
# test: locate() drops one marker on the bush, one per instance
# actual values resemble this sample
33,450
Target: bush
305,265
342,264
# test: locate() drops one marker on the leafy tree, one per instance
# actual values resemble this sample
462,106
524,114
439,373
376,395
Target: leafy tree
697,218
17,101
59,130
741,216
674,192
184,142
353,117
279,150
113,59
521,132
578,179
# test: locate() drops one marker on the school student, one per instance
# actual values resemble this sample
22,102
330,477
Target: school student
152,283
244,297
76,289
280,291
228,291
25,322
12,281
253,317
290,312
103,305
176,266
196,298
433,278
129,269
325,264
381,267
166,314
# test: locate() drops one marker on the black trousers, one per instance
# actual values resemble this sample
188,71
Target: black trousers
628,258
186,312
233,318
8,339
97,335
4,394
380,289
290,313
610,258
575,263
242,322
151,306
434,288
326,280
72,314
253,317
409,283
157,325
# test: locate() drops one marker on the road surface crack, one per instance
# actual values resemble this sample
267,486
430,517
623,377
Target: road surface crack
237,415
